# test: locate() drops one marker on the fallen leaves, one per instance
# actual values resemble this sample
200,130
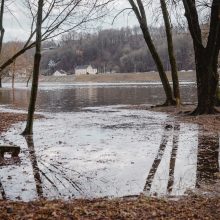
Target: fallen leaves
193,207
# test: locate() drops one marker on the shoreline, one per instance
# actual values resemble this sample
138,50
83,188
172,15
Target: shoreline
107,78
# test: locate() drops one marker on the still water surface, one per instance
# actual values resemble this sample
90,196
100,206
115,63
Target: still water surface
68,98
90,147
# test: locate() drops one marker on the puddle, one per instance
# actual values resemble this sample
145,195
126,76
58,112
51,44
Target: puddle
107,151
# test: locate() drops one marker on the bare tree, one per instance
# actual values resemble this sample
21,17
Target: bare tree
176,89
206,56
139,11
59,17
53,28
31,109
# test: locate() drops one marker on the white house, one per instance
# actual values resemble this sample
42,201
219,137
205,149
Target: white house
85,70
60,73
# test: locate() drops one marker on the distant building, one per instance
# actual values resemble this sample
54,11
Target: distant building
60,73
85,70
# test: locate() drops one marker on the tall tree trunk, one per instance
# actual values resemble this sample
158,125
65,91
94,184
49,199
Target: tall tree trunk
2,31
207,82
141,16
206,58
176,89
34,89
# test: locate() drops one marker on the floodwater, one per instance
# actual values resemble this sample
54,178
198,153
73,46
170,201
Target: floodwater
89,147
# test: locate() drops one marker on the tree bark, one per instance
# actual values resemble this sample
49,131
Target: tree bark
37,58
141,16
2,32
206,58
207,82
174,72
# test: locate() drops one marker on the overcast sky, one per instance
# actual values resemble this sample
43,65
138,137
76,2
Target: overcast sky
17,26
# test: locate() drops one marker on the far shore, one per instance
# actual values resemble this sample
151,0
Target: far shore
188,76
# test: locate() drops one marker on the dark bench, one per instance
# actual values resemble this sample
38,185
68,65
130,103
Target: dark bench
14,150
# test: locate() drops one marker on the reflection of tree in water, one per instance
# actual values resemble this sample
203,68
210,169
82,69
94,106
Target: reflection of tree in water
173,157
54,173
168,130
2,191
36,170
207,160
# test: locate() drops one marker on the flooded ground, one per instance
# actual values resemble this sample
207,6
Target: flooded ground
89,147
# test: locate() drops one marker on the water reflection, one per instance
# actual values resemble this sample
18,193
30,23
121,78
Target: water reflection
34,164
51,175
208,157
2,191
164,140
176,133
70,98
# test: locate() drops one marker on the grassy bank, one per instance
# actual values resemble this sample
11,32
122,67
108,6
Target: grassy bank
109,78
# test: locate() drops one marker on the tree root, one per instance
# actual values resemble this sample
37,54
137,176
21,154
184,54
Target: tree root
203,111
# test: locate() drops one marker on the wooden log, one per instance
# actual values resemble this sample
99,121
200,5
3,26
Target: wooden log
14,150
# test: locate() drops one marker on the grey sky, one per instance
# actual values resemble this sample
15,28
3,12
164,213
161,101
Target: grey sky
17,27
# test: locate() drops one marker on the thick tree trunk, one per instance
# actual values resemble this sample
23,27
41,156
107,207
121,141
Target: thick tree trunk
206,58
207,82
29,126
176,89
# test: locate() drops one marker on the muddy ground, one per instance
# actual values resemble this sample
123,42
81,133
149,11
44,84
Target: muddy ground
192,207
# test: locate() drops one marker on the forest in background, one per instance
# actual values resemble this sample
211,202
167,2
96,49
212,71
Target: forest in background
112,50
115,50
